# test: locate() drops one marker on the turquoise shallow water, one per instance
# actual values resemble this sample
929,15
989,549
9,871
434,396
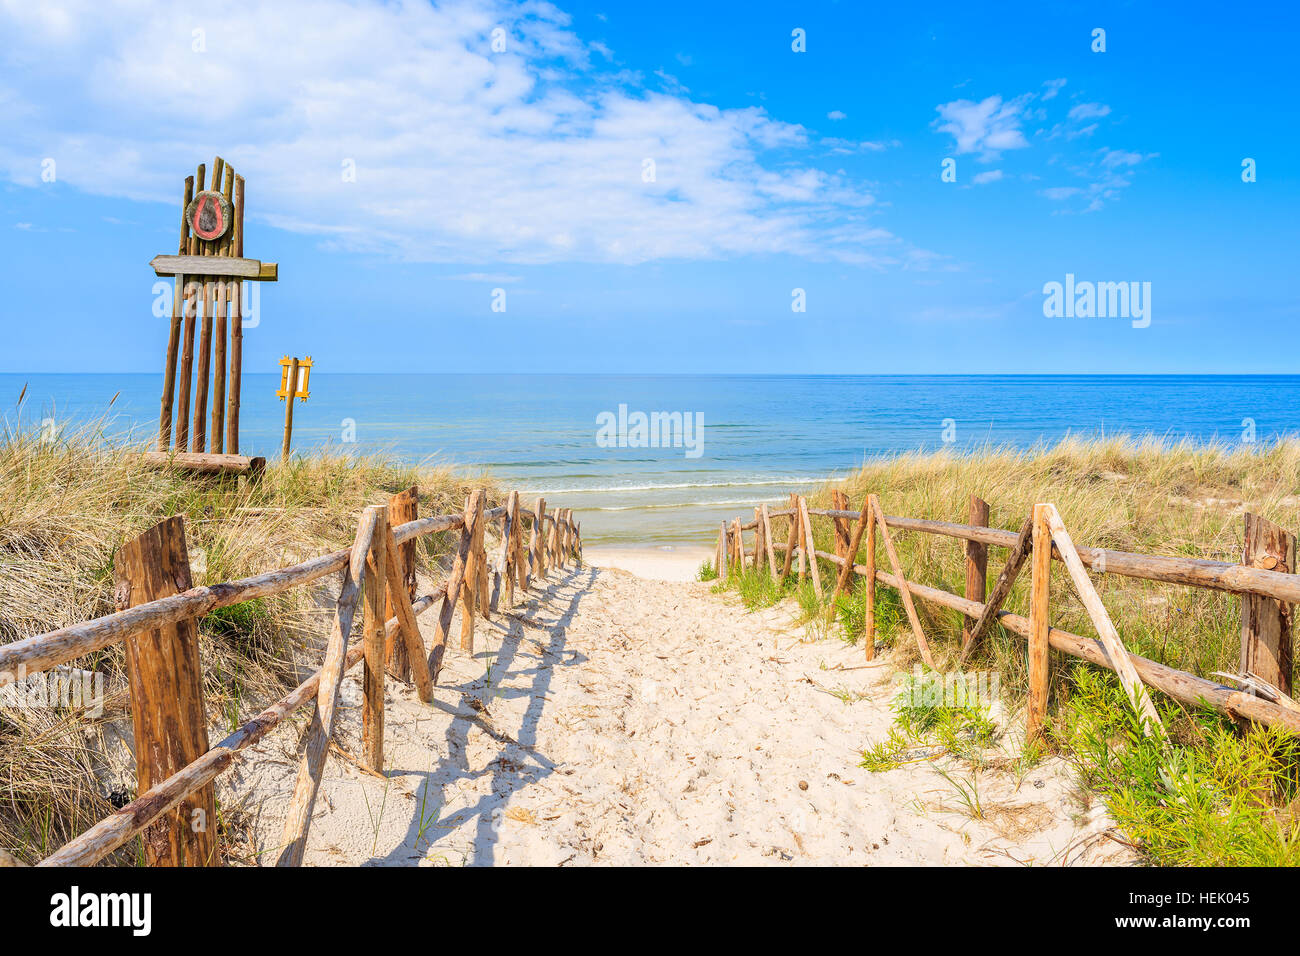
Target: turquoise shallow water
763,436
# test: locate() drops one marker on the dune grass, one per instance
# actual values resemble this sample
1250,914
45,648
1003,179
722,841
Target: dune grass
65,507
1212,793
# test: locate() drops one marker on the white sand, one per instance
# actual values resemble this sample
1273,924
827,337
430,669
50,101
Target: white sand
676,563
612,719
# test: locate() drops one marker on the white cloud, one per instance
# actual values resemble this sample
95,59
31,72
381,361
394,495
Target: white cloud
461,154
988,176
499,278
986,127
1053,87
837,115
1118,157
1089,111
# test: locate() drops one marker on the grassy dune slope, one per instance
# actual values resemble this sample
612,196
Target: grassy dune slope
1211,794
64,509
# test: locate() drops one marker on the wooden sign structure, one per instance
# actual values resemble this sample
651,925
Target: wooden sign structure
210,270
295,378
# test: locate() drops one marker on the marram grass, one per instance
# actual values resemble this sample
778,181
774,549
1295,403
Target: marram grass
1211,793
66,506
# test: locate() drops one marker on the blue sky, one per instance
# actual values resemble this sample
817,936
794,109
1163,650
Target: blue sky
523,170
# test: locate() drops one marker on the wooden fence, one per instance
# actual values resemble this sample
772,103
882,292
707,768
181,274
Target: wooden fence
1265,579
157,620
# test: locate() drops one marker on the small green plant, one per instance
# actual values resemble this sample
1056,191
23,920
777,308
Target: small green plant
707,572
924,716
1217,797
967,793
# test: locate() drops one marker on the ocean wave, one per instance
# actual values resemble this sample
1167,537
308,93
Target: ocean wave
686,504
606,489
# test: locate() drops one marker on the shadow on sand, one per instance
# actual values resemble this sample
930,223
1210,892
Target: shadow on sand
533,639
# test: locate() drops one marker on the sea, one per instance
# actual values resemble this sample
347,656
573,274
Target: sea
659,460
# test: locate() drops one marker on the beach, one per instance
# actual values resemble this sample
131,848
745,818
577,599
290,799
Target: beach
665,563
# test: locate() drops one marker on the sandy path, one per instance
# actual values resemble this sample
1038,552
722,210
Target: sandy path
612,719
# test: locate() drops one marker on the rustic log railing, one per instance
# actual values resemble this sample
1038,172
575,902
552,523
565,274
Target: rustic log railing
157,620
1265,579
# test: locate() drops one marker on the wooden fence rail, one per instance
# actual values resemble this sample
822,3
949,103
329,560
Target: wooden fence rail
1264,576
175,766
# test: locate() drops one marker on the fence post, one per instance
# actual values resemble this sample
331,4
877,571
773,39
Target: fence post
483,595
536,538
541,527
520,558
166,686
840,502
870,597
509,551
473,575
297,820
766,521
977,562
1041,569
373,618
737,547
1265,621
402,507
721,557
457,581
792,538
850,555
810,546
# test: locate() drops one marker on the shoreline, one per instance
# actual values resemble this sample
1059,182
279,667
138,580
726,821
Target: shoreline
678,562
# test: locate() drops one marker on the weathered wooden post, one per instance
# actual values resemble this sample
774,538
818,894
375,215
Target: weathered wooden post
374,610
840,502
473,569
792,539
509,537
166,684
236,328
977,562
850,555
483,596
537,541
1040,570
765,521
810,546
523,566
297,821
402,507
457,582
724,565
1266,648
870,597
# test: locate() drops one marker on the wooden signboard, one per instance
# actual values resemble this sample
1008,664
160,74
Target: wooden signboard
210,270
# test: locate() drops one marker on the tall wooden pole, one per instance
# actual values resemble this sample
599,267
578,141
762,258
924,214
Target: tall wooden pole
236,329
291,390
